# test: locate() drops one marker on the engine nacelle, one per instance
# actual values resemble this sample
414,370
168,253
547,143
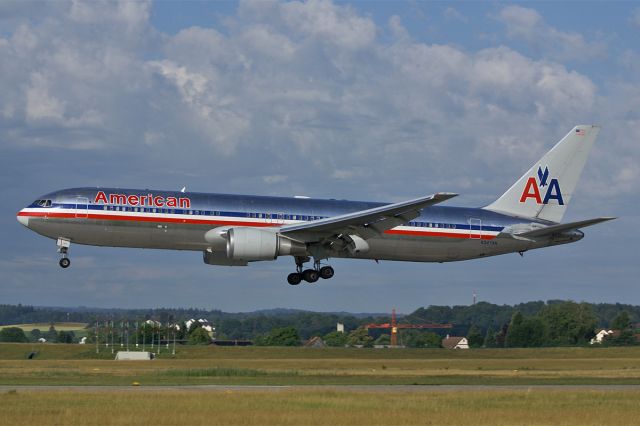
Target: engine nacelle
251,244
220,259
357,245
217,238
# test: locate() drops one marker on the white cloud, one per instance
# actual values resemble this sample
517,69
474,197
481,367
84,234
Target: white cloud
527,24
40,103
323,20
635,17
272,179
283,86
452,14
132,14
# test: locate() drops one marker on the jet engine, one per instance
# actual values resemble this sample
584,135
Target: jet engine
251,244
356,245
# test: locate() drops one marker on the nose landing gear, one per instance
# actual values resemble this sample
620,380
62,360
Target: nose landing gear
309,275
63,248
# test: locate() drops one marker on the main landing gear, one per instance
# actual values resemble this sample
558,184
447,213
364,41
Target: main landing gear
309,275
63,248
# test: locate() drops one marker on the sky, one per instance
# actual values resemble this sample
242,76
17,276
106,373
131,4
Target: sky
370,100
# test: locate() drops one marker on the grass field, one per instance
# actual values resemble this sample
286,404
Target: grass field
44,326
318,398
80,365
321,407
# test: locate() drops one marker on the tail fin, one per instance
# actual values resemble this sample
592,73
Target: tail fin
545,190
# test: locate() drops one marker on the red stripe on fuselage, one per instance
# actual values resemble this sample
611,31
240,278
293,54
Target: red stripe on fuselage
145,219
440,234
235,223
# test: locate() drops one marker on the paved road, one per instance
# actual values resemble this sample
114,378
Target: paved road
347,388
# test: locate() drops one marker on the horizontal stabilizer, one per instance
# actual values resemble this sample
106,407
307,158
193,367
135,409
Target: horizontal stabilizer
563,227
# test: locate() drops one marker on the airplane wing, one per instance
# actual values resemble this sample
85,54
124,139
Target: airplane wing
364,223
563,227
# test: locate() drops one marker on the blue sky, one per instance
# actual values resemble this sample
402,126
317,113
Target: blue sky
360,100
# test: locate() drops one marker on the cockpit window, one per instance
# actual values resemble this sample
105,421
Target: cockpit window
43,203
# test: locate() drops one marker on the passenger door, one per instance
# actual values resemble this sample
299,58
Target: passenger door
82,207
475,229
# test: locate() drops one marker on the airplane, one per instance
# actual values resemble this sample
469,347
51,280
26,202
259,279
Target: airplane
234,230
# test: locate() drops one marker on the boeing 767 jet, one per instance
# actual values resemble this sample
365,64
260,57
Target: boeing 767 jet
234,230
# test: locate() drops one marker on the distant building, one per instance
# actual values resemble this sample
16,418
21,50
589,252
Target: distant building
315,342
455,342
601,335
204,323
134,356
340,327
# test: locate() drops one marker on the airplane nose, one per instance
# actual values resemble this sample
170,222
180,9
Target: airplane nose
24,220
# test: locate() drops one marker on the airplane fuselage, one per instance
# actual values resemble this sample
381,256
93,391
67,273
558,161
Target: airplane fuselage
179,221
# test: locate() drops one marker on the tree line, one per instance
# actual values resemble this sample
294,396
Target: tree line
538,323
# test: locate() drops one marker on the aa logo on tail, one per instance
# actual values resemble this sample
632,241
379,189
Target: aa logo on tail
533,188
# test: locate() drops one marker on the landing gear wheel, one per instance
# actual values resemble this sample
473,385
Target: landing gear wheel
326,272
294,278
64,262
310,275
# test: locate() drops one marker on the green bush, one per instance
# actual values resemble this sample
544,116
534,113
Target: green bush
13,334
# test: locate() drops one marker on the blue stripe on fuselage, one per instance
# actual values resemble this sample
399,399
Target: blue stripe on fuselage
242,206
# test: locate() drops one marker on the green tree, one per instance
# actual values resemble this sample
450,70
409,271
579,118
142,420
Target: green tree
66,336
383,339
621,322
489,339
516,336
525,332
52,334
421,339
501,335
285,336
35,334
360,337
13,334
199,336
474,337
568,323
146,334
335,338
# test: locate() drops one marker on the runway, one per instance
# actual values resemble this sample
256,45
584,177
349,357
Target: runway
334,388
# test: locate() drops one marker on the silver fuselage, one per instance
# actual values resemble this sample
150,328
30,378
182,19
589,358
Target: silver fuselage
165,220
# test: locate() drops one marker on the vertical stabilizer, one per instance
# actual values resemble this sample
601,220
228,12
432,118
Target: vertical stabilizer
544,192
